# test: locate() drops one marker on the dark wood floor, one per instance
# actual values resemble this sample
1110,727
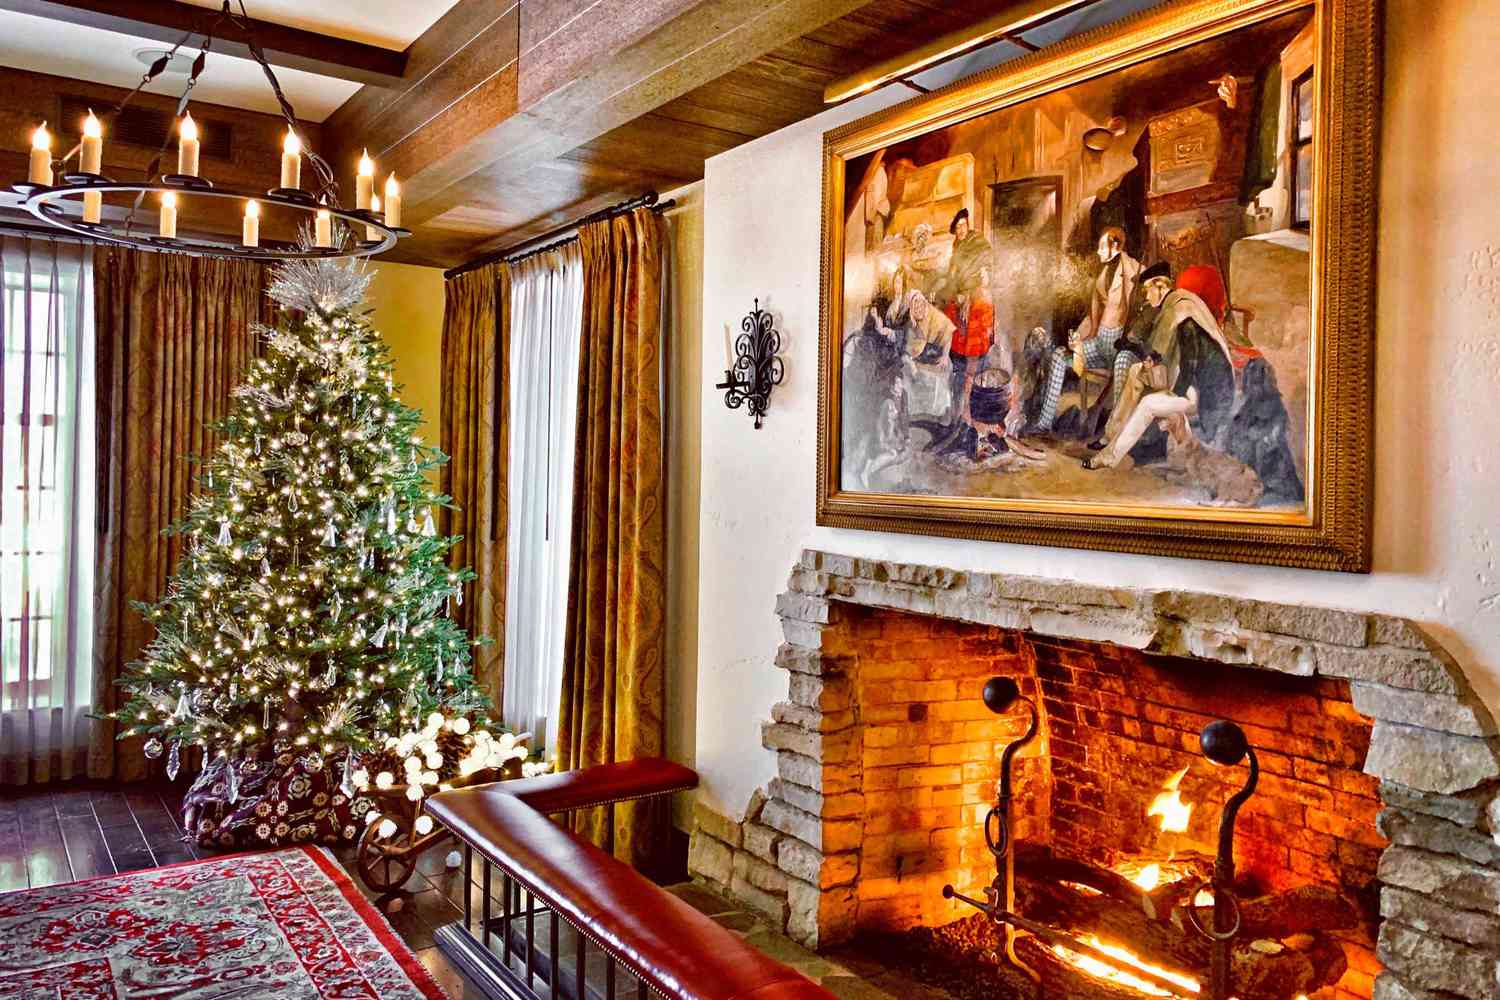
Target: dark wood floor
70,832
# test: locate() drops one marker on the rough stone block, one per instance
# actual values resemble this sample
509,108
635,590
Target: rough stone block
1392,665
710,859
756,804
809,864
1435,917
831,779
1466,717
826,694
1343,628
720,827
810,582
1408,829
1095,624
1037,590
1238,647
761,841
1388,631
936,577
1438,963
1388,987
1457,882
809,660
803,608
1431,761
770,905
820,918
759,873
804,634
965,606
1465,808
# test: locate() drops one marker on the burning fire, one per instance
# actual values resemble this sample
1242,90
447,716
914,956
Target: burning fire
1173,812
1149,877
1120,974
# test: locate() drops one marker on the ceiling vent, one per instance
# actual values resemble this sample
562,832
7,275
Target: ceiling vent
150,129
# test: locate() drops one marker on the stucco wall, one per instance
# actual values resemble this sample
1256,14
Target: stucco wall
1437,489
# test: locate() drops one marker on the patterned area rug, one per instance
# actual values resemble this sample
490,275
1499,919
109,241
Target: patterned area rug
286,924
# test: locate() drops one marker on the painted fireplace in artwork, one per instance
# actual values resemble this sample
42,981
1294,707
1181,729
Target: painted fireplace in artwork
1362,852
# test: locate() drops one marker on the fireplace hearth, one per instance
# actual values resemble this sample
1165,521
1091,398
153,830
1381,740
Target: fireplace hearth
1368,851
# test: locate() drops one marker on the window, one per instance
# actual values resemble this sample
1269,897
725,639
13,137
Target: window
46,506
1301,149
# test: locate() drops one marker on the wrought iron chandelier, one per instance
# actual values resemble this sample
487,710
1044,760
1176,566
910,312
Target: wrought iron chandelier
329,229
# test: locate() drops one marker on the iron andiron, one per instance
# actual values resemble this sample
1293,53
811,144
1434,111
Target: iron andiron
757,368
1223,743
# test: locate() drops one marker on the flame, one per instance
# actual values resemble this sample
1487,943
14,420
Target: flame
1169,806
1149,877
1122,976
189,128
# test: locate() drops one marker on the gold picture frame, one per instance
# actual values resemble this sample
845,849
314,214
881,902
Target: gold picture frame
1331,528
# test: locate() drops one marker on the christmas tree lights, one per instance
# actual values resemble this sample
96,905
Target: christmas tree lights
307,610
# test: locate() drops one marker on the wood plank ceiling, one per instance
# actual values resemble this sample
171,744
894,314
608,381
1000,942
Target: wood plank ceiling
666,147
510,119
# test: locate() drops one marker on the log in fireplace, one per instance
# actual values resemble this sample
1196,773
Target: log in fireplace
1367,850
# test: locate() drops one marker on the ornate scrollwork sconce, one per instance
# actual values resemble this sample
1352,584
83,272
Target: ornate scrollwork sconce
757,367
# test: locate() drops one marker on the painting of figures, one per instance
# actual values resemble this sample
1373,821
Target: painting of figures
1099,297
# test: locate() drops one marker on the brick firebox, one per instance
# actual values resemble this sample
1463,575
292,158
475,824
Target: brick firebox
887,758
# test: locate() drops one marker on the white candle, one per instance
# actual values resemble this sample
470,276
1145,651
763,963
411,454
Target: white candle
250,235
324,228
91,161
291,161
392,202
91,150
371,233
364,183
168,229
187,147
41,157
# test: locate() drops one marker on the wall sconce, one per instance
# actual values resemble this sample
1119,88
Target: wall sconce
757,369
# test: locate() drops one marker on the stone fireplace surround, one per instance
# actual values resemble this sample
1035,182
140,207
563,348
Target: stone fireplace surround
796,855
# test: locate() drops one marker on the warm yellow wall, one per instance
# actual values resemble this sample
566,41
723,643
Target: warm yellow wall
408,311
684,419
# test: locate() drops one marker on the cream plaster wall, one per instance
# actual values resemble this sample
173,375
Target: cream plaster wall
1437,489
407,308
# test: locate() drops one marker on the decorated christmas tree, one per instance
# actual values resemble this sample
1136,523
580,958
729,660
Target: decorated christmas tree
306,615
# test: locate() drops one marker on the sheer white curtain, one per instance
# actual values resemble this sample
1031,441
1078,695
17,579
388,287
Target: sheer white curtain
546,322
46,509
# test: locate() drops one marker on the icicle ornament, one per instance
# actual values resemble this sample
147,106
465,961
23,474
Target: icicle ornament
378,639
174,761
231,781
224,536
330,536
429,526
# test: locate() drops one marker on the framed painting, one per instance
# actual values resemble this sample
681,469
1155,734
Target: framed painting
1117,294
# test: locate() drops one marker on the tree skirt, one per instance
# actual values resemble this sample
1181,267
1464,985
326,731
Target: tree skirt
287,924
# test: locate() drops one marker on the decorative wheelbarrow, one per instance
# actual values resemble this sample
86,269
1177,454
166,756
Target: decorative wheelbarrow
397,829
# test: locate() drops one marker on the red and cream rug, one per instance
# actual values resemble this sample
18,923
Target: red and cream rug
286,924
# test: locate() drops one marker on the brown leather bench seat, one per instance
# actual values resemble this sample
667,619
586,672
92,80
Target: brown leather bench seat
667,943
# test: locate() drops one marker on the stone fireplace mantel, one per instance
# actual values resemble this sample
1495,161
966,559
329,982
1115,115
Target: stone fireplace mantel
1434,748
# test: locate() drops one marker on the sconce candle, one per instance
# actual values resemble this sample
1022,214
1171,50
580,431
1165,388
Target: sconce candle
392,202
291,161
250,234
324,229
371,233
91,161
364,183
168,228
41,157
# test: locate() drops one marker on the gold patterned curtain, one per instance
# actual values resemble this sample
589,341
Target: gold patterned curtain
475,434
173,335
613,688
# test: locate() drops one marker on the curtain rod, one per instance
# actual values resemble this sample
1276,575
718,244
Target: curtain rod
518,251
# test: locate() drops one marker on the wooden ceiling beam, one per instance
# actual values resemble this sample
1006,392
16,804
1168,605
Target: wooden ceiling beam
558,76
166,21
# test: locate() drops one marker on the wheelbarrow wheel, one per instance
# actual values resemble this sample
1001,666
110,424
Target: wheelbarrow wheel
383,866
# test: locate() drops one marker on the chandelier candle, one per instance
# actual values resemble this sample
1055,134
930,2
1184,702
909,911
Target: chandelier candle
291,161
187,147
41,157
168,227
91,161
364,184
392,202
250,236
324,229
371,233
